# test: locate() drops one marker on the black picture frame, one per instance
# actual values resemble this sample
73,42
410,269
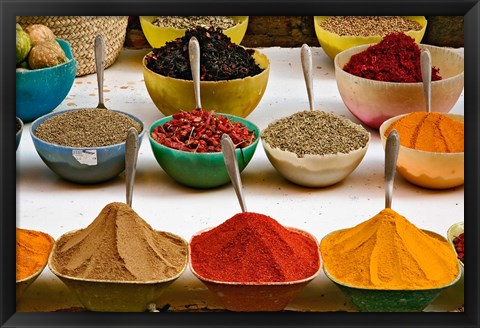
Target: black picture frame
469,9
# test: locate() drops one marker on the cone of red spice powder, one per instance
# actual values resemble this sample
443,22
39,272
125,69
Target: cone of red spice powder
254,248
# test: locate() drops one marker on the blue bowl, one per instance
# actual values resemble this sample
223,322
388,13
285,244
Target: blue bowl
19,132
40,91
200,170
82,165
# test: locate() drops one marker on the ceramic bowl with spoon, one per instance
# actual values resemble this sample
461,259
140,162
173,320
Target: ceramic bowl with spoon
250,296
382,299
85,165
313,170
200,169
428,169
112,295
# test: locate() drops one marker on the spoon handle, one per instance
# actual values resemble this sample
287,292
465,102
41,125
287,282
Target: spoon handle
131,154
426,68
194,57
306,56
391,155
100,66
228,150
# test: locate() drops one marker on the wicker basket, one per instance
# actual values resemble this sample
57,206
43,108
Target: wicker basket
80,32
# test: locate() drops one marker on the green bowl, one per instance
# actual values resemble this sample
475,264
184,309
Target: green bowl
200,170
388,300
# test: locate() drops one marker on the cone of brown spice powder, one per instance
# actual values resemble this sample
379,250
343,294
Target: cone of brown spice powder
120,246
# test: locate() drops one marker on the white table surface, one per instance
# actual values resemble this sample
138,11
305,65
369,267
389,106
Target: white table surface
49,204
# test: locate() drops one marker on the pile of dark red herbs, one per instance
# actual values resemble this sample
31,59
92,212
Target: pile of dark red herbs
201,131
458,242
394,59
220,59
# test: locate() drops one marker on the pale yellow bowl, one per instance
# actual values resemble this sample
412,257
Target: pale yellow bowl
333,43
237,97
434,170
157,36
254,296
115,296
373,102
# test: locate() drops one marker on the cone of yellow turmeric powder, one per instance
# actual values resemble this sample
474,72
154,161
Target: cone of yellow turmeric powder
32,251
388,264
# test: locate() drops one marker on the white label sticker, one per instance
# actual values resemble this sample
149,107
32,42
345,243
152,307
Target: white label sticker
88,156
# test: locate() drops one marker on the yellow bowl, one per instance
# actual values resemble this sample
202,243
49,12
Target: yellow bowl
112,295
237,97
254,296
373,102
157,36
434,170
333,43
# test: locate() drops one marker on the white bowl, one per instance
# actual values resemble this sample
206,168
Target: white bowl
314,170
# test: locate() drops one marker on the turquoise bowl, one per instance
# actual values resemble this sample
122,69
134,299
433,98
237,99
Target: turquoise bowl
200,170
388,300
40,91
18,135
109,163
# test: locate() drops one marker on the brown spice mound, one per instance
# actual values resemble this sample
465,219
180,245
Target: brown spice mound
120,246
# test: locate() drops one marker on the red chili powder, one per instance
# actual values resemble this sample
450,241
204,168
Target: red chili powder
252,247
394,59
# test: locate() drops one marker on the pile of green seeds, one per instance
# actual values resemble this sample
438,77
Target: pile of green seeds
86,128
315,132
189,22
369,25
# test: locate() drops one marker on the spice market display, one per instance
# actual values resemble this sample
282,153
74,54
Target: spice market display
184,248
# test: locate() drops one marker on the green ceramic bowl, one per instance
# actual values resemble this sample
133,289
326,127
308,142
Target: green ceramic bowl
200,170
387,300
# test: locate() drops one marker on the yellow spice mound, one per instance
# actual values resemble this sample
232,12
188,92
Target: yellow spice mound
388,252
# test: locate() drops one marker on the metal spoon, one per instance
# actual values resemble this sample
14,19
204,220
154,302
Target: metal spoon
391,155
306,56
131,154
426,68
194,57
100,66
228,150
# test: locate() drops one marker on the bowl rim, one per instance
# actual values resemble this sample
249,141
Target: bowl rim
451,236
431,233
148,20
264,71
261,284
363,47
242,120
361,37
19,121
43,118
115,282
384,126
71,59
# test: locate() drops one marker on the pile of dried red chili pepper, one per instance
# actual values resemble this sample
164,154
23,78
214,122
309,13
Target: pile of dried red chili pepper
201,131
458,242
